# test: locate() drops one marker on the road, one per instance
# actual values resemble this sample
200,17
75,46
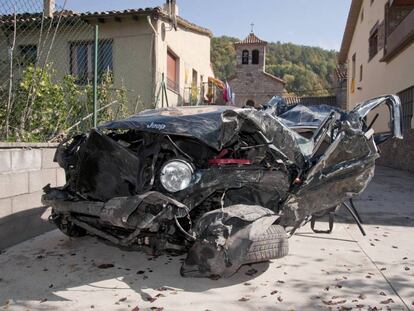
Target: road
340,271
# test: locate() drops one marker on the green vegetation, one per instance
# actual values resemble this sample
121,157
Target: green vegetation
44,108
307,70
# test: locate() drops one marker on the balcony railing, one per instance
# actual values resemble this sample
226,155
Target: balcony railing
173,85
400,37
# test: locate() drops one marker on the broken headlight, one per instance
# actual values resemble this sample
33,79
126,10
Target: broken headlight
176,175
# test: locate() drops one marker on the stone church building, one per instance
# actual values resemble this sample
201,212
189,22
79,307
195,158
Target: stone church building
252,85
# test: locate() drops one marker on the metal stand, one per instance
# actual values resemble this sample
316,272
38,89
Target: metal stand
163,91
350,208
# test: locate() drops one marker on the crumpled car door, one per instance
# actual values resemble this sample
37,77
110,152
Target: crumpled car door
346,167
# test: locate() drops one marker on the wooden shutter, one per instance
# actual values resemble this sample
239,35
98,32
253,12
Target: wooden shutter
172,71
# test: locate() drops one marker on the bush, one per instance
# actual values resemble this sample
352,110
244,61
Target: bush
43,108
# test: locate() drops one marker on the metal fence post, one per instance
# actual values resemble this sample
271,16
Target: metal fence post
95,78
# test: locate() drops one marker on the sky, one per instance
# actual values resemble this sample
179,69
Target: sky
307,22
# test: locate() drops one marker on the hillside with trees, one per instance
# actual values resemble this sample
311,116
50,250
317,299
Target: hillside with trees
307,70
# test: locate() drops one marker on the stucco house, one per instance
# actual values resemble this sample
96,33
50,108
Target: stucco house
378,52
139,47
251,84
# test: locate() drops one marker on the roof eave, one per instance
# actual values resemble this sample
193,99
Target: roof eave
349,30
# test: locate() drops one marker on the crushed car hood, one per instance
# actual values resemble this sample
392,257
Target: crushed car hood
217,126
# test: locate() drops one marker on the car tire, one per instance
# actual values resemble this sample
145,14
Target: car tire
272,244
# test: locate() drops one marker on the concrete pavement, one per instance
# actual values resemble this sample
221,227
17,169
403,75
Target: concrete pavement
341,271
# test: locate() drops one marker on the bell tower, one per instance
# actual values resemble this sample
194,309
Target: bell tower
251,84
251,53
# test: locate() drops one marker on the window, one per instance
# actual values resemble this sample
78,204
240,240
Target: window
353,73
28,54
172,71
81,59
245,57
194,80
373,43
361,72
255,57
407,105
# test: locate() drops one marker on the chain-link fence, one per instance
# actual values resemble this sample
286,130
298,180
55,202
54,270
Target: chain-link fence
47,71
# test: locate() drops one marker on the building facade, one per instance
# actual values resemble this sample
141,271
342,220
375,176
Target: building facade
251,84
140,47
378,51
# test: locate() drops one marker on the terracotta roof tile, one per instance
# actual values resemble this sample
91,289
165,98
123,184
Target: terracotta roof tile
157,11
251,39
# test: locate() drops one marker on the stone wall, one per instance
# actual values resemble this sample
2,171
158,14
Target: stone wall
24,170
256,86
397,153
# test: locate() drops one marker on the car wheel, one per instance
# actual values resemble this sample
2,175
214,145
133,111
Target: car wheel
272,244
68,228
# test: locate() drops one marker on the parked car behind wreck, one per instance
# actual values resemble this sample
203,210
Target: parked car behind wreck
226,185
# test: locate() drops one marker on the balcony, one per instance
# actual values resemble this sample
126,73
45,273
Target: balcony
399,37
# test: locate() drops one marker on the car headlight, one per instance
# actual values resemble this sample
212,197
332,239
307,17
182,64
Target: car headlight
176,175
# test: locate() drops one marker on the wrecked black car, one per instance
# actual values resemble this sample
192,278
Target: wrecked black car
226,185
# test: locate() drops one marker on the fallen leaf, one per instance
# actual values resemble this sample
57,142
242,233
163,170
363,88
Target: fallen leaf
274,292
333,303
135,309
157,308
160,295
385,302
43,300
140,272
280,299
383,294
244,299
281,282
247,284
343,308
406,268
394,246
122,299
362,296
383,269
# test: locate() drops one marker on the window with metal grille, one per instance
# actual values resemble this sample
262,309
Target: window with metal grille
28,54
81,59
407,103
373,44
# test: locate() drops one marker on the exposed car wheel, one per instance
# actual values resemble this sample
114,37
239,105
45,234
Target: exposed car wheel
68,228
272,244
